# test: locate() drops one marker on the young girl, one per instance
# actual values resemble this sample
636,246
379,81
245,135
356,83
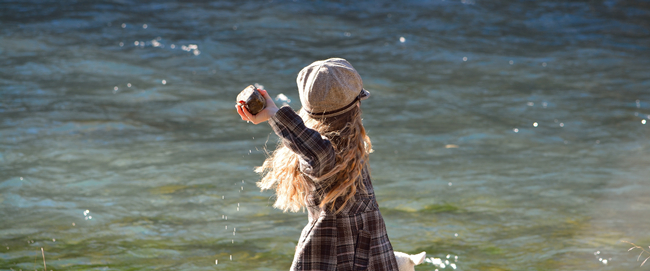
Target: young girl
322,164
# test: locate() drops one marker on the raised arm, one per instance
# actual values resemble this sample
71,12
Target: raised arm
316,153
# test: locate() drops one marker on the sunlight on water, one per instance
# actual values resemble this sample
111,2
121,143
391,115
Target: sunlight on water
518,144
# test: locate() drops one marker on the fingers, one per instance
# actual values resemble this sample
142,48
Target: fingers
241,112
252,118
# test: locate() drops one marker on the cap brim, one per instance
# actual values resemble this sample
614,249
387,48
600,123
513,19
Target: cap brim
364,94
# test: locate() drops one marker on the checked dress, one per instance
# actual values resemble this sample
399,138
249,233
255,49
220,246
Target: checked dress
353,239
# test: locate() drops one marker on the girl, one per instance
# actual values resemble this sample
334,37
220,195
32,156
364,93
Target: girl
322,164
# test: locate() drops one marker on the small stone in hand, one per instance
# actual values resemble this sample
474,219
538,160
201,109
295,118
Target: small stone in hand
252,99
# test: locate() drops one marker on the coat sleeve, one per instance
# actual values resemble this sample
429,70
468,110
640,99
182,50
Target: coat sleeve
317,156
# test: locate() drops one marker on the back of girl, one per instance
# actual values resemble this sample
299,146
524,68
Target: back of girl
322,165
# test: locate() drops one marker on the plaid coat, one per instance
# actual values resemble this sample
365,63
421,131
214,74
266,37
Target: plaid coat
355,238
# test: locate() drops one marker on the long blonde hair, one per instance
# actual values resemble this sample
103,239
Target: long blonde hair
351,145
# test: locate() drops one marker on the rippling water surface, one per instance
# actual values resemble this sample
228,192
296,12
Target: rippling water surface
509,135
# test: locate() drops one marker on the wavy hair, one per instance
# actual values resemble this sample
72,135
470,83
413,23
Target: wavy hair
352,147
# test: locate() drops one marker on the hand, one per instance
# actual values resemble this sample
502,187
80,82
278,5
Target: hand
263,115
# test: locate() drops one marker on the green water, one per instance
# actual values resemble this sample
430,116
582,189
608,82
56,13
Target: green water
512,135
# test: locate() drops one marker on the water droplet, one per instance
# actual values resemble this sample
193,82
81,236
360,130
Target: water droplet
511,62
402,39
136,43
561,124
464,58
643,121
144,26
128,85
123,25
121,44
448,257
216,261
53,240
73,224
530,103
449,184
597,252
226,227
21,178
231,257
515,130
604,261
115,88
543,64
173,46
164,82
544,104
223,197
535,124
347,34
455,234
234,27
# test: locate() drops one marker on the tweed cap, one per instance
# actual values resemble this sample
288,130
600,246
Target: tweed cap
329,88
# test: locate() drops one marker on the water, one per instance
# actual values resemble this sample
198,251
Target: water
511,135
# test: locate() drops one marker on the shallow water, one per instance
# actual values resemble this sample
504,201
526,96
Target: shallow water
513,135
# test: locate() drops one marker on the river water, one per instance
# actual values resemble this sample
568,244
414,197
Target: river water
508,135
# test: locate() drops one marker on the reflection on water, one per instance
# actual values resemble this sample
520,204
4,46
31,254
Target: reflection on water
512,135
